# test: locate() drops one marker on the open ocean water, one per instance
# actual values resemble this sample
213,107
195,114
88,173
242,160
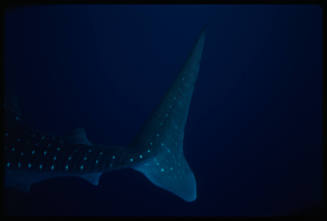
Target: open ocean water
254,130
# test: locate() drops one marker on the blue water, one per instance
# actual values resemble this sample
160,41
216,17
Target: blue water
253,137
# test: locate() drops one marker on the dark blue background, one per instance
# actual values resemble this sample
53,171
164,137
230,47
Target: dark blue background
253,136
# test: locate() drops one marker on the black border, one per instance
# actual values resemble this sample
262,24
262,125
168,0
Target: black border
7,5
19,3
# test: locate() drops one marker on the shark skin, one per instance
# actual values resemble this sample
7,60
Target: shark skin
156,151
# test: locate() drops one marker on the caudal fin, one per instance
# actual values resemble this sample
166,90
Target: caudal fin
163,132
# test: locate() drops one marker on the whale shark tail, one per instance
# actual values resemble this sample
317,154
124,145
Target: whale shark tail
164,132
172,173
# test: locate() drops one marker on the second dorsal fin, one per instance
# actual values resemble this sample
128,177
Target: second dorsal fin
78,136
11,103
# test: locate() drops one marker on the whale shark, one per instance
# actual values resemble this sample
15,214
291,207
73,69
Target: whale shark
156,151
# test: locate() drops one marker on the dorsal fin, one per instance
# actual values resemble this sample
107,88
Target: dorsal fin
78,136
11,103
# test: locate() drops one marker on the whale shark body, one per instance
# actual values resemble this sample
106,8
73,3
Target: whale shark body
156,151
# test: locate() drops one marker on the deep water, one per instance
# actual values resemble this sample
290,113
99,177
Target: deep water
253,137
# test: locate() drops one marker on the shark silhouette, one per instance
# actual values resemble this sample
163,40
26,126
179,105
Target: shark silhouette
156,151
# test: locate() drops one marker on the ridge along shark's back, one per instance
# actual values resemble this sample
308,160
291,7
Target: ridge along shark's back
163,132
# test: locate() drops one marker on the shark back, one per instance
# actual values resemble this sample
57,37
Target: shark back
32,156
163,133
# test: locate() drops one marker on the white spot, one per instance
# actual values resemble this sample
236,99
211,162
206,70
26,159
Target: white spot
29,165
45,153
96,161
149,150
19,165
85,158
162,170
171,168
52,167
113,157
82,167
141,156
168,150
54,158
8,164
33,152
131,159
66,167
41,166
150,143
